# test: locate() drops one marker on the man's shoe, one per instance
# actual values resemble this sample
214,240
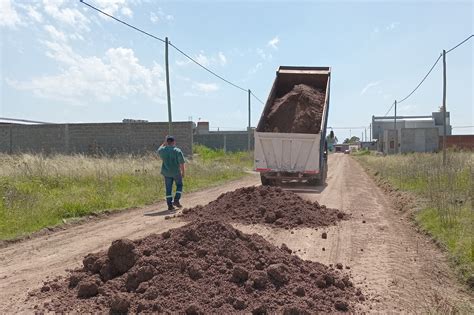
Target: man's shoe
177,204
171,208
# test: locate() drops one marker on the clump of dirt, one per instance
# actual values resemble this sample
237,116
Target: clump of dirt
203,267
265,205
298,111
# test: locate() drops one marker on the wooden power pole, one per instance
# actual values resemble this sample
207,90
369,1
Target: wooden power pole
395,127
168,93
444,107
249,128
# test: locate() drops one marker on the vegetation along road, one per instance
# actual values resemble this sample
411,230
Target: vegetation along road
398,268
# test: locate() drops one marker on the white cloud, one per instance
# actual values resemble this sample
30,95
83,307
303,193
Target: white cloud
8,15
263,55
154,18
127,11
34,14
55,34
116,74
69,16
255,69
392,26
222,58
383,29
160,15
274,42
203,59
369,86
205,87
113,7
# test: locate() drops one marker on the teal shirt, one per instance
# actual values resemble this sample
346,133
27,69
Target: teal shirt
172,157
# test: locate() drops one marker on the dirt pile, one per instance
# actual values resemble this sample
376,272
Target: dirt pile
265,205
202,267
298,111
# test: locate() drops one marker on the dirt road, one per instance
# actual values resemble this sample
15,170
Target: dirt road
23,266
399,268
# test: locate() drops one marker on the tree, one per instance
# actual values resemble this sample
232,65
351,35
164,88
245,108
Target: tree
352,140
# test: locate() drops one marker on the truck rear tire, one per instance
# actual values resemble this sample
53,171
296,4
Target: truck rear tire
265,181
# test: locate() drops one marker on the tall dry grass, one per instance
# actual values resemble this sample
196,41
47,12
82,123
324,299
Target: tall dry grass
448,191
39,191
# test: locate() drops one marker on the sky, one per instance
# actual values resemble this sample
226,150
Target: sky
60,61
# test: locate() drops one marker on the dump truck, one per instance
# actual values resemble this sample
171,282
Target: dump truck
290,138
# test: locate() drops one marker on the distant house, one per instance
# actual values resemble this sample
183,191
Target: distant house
409,133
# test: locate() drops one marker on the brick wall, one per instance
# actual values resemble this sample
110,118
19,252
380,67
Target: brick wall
108,138
233,141
463,142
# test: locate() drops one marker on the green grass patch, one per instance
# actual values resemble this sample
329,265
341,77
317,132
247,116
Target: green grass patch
38,191
448,189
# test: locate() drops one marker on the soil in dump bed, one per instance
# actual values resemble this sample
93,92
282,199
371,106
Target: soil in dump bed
265,205
298,111
200,268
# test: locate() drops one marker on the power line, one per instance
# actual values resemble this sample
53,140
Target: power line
344,128
257,98
468,38
389,109
208,70
459,127
172,45
431,69
424,78
24,120
123,22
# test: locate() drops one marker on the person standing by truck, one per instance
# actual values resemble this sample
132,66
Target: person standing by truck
172,170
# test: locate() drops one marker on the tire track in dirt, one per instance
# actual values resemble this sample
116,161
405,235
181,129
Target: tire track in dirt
400,269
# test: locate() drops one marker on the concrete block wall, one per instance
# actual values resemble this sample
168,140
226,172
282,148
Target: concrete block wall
231,141
419,140
108,138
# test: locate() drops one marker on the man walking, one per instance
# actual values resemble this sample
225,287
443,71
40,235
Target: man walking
172,169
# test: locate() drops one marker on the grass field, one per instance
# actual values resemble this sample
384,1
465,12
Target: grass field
448,190
39,191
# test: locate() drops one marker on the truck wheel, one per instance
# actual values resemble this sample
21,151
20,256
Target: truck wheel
265,181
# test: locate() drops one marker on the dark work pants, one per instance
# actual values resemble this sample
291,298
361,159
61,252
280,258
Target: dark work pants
169,188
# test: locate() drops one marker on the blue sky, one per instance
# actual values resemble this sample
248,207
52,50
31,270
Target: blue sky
62,62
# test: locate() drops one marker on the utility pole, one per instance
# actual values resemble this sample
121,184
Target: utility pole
168,94
444,107
370,131
365,134
249,129
395,127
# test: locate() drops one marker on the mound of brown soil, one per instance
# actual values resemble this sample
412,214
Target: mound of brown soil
265,205
202,267
298,111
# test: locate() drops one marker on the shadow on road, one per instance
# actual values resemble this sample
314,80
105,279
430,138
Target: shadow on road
301,188
160,213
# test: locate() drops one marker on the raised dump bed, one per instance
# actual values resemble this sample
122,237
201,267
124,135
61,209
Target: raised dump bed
290,137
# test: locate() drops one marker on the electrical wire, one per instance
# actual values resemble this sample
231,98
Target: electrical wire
459,127
120,21
208,70
431,69
468,38
257,98
172,45
393,104
419,84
